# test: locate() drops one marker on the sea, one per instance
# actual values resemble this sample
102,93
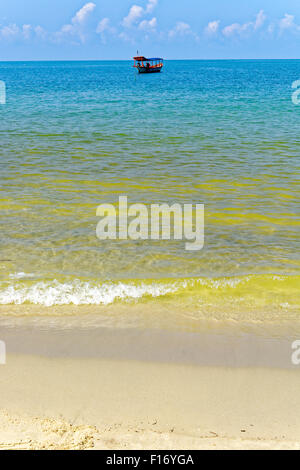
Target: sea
225,134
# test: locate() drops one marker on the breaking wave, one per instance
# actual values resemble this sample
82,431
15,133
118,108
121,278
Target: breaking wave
22,289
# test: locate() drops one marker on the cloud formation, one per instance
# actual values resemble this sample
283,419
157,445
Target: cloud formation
287,23
10,31
103,25
148,25
260,20
136,12
140,23
182,29
77,25
212,27
83,13
151,5
26,31
237,28
104,28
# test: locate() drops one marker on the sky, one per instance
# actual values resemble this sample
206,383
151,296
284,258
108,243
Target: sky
173,29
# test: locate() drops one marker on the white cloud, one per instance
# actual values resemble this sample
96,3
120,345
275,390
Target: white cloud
13,31
126,38
287,23
135,13
260,20
181,29
212,28
151,5
103,25
105,28
40,32
148,25
237,28
10,31
67,28
77,26
83,13
232,29
26,30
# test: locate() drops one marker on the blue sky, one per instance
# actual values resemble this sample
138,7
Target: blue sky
174,29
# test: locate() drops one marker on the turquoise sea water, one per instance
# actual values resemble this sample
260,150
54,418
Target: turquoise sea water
223,133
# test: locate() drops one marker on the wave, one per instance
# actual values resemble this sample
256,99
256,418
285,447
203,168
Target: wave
78,293
282,291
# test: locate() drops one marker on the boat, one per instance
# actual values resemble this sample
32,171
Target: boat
144,65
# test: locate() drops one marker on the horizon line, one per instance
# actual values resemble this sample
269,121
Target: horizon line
129,60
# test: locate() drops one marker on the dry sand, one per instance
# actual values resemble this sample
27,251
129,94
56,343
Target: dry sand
51,398
91,403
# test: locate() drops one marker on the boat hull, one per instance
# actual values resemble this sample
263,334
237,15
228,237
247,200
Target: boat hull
149,70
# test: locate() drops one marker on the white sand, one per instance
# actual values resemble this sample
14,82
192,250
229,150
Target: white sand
74,403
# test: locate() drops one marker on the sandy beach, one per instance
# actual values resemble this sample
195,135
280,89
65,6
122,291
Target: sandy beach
64,389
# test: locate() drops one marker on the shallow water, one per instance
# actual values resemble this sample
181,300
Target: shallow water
223,133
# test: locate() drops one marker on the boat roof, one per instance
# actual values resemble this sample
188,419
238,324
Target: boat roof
145,58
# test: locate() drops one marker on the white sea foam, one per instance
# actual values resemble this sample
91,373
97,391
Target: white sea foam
79,293
20,290
21,276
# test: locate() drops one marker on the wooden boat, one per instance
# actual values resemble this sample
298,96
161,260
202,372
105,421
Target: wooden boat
144,65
